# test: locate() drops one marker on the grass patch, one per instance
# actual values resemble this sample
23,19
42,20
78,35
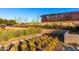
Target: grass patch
6,34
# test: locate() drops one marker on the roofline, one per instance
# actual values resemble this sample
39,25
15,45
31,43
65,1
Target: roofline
59,13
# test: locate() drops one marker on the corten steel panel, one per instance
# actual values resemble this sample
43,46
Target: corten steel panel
69,16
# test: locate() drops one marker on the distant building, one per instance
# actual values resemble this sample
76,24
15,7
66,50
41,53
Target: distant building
67,17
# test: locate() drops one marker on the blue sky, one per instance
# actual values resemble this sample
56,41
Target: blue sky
31,13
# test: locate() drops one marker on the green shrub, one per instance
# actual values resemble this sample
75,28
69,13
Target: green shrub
47,26
55,26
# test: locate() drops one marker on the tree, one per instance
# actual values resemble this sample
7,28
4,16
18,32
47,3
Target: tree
11,22
5,21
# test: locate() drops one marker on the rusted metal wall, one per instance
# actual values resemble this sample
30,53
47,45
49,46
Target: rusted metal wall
71,16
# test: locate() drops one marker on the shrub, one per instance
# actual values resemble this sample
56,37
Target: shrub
24,46
47,26
55,26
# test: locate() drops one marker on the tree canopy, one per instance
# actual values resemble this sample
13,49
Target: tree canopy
6,21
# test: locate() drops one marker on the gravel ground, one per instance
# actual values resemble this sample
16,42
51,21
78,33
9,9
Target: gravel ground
71,38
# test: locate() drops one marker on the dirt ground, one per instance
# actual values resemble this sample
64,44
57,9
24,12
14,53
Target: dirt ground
15,28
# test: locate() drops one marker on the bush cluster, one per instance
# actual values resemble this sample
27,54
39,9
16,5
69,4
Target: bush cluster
54,26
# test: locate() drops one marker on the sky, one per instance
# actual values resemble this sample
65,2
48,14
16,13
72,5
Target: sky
29,14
